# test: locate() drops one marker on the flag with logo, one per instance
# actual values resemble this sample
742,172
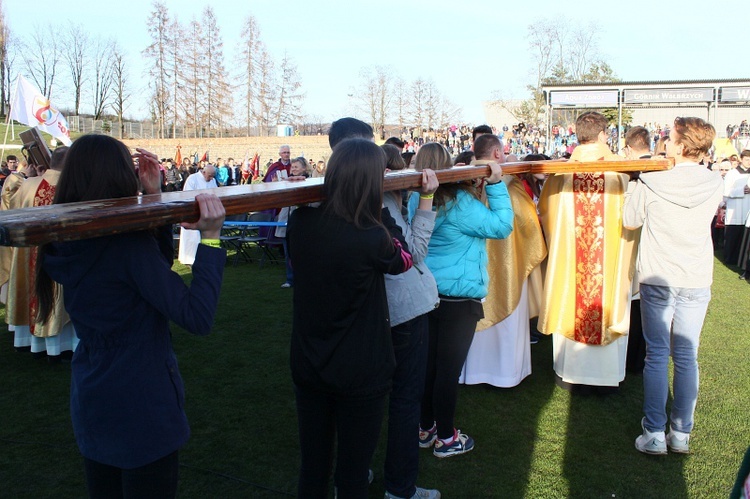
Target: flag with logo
32,108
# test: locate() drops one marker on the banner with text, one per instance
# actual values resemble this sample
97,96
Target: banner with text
668,95
734,94
589,98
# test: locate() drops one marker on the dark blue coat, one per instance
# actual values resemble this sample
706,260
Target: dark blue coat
127,396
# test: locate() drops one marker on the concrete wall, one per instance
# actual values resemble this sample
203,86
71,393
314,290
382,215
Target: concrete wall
310,146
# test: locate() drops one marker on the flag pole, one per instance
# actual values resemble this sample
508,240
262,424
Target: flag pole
5,139
8,120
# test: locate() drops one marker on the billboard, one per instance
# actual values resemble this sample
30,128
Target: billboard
592,98
734,94
668,95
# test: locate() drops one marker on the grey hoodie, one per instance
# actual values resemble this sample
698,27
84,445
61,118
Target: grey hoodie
675,208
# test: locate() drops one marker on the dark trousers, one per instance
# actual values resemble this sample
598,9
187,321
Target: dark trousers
452,327
157,480
402,452
732,243
355,424
636,356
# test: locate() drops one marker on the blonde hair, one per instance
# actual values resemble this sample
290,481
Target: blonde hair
434,156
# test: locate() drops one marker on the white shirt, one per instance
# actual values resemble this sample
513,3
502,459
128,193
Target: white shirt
738,203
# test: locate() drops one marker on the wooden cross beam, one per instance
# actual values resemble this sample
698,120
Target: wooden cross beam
71,221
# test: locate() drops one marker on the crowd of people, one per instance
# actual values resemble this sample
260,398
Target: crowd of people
424,290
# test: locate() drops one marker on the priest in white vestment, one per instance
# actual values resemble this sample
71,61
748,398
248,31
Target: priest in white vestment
190,239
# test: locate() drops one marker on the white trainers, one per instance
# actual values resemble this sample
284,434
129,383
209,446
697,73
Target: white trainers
651,443
461,444
419,494
678,442
427,437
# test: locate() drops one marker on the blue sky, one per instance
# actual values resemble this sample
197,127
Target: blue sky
472,55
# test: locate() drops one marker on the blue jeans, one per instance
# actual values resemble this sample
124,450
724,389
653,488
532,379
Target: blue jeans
288,263
402,452
672,322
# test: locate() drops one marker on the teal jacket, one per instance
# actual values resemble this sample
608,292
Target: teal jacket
457,253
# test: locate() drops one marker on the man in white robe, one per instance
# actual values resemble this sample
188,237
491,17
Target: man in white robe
190,239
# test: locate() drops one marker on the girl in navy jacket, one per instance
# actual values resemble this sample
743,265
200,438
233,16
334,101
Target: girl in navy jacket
126,397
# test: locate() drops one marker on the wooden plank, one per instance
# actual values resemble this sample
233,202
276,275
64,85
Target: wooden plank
66,222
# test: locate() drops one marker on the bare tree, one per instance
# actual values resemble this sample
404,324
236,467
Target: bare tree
375,95
448,114
4,56
401,101
74,46
41,57
289,97
543,37
432,103
562,52
418,102
119,82
218,93
195,78
103,75
250,49
265,95
175,60
582,51
158,27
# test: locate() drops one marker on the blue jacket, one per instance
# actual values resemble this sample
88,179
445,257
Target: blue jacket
457,253
126,393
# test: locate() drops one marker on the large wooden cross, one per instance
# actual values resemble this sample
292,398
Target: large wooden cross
71,221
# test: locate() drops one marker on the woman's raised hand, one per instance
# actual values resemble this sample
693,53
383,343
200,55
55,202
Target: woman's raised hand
148,171
429,181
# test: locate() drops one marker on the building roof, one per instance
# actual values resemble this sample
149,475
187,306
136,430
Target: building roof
651,82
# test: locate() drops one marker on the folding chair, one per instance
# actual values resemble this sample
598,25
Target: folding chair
271,242
230,236
251,236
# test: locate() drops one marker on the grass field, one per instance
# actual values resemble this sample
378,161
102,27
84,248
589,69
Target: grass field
535,440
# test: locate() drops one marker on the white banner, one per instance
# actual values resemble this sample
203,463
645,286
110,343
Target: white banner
32,108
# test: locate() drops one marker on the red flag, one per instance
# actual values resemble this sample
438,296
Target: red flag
205,156
178,156
255,166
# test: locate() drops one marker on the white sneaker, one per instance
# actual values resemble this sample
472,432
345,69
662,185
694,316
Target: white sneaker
678,442
651,443
419,494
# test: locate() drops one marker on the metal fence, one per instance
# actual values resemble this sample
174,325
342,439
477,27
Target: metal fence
150,130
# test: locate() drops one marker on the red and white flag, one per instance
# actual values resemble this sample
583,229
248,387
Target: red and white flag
32,108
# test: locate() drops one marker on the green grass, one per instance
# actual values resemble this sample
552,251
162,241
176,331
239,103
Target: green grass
534,440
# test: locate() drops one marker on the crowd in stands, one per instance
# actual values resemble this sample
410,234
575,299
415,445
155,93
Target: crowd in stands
422,298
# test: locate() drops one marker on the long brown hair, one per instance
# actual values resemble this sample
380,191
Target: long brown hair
354,182
435,156
96,167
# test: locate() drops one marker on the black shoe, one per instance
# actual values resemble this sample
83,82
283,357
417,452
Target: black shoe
743,275
23,349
